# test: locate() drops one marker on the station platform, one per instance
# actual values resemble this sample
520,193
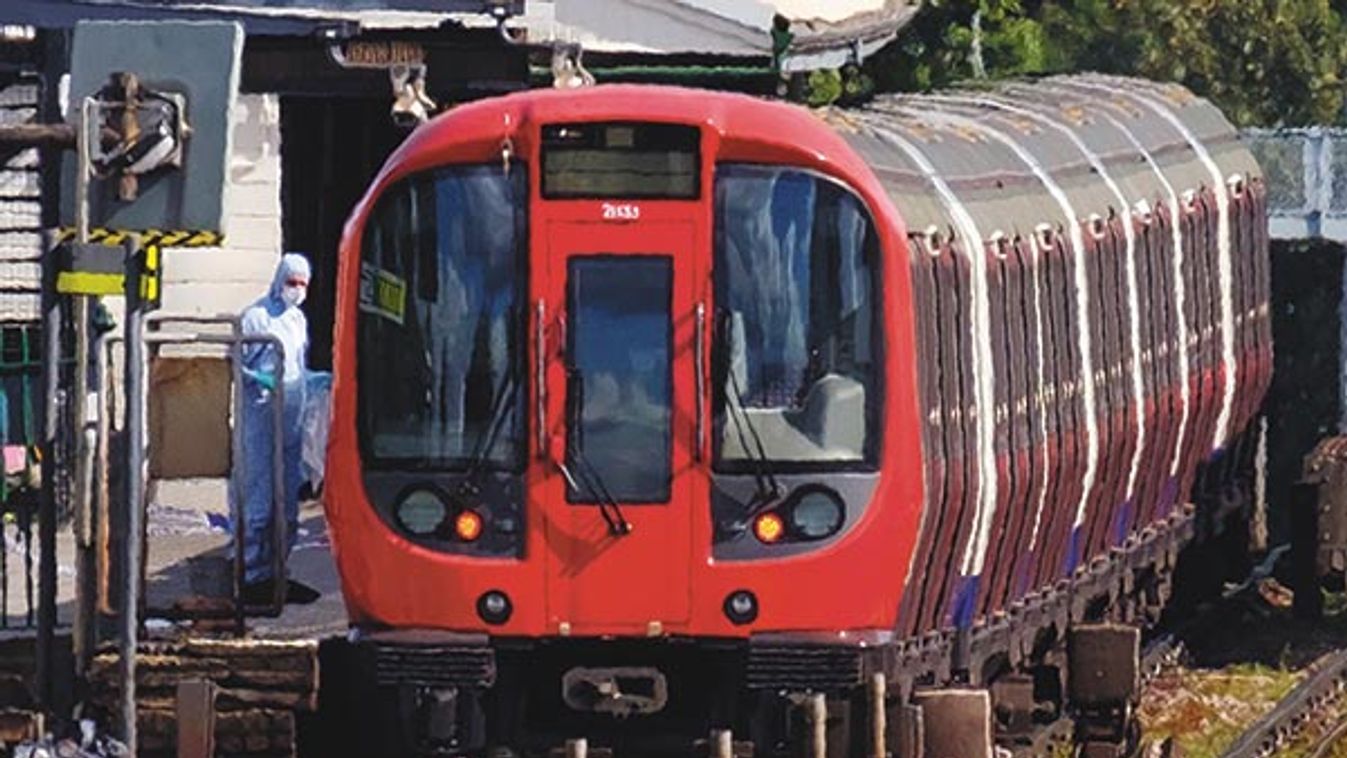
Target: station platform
264,683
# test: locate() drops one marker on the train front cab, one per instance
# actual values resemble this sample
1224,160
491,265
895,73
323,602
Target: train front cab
611,443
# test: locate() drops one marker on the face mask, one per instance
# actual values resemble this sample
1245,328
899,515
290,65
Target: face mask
293,296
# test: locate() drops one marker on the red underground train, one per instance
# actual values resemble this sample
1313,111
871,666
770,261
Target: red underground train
663,413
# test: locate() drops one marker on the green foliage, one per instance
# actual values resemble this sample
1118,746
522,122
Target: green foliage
1264,62
825,87
845,86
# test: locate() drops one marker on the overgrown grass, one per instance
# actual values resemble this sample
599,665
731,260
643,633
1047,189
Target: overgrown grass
1205,711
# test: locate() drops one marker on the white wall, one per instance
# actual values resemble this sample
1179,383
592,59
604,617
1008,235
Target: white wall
20,215
227,279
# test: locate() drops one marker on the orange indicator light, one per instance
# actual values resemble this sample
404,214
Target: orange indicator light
769,528
468,526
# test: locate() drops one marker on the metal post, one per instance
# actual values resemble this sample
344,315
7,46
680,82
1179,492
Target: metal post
236,341
238,469
102,471
818,726
879,722
722,743
279,528
51,376
135,499
82,633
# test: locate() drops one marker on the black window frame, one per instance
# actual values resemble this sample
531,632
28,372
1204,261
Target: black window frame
364,436
672,264
697,151
875,401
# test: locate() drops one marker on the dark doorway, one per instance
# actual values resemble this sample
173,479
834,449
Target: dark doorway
331,148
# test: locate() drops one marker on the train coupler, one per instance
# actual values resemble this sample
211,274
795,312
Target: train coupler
1103,684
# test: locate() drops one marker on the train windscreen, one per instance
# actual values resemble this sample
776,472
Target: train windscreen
797,353
441,324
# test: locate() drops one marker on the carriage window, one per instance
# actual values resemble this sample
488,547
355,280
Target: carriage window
797,351
441,324
618,403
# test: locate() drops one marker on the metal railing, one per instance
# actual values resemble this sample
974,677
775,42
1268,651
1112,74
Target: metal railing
1306,174
234,341
20,388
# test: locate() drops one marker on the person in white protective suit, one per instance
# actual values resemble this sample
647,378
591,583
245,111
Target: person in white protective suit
276,314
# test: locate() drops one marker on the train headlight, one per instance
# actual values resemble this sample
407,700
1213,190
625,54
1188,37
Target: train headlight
769,528
468,525
494,607
741,607
422,512
816,512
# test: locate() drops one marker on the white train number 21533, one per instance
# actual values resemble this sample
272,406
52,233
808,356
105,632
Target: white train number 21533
621,212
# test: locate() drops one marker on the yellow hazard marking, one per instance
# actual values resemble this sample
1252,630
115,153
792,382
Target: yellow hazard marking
149,237
84,283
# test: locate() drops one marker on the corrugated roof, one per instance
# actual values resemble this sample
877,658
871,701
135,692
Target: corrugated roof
826,33
259,17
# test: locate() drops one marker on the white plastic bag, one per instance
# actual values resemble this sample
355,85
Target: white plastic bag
315,423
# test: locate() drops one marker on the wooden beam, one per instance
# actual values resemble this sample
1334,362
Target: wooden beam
196,718
37,135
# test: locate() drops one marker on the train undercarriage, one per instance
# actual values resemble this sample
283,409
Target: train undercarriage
1060,668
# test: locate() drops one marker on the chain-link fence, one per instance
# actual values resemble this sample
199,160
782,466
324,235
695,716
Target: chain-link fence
1306,172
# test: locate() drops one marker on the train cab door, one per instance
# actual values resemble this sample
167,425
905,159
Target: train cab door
617,503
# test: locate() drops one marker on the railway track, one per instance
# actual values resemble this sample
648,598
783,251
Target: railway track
1313,706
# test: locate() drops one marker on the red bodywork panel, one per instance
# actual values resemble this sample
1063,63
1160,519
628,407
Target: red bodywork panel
574,578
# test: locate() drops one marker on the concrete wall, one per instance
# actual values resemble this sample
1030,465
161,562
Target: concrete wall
225,280
20,215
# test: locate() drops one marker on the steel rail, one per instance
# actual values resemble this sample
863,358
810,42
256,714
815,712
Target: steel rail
1322,688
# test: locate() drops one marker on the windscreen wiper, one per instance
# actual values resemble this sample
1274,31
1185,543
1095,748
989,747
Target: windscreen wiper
618,526
503,401
768,490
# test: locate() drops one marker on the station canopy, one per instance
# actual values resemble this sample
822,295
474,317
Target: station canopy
826,33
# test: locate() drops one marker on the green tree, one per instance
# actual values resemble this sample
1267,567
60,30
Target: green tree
938,46
1263,62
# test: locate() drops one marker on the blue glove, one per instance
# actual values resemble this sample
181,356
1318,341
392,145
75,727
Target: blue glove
264,379
318,381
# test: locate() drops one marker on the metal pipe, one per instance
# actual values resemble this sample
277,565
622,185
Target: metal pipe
157,318
135,495
279,526
101,503
82,632
99,477
699,366
51,371
237,471
280,529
